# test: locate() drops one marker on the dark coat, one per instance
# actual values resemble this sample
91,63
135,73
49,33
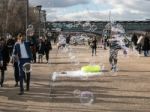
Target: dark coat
41,48
5,57
48,46
146,45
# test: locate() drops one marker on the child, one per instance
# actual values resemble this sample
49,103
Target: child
115,46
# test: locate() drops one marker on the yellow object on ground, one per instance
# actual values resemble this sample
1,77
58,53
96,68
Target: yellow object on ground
91,68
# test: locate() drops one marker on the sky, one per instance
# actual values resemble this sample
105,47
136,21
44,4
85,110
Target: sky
94,10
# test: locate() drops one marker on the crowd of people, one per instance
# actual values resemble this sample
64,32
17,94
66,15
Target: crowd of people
19,51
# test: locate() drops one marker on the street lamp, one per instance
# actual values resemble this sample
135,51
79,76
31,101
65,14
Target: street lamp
27,16
39,9
44,19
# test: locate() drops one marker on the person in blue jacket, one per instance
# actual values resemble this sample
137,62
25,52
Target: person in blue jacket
23,52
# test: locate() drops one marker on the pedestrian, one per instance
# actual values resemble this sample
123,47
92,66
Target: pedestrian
93,45
15,62
41,50
4,59
115,46
146,46
61,41
140,43
23,52
48,47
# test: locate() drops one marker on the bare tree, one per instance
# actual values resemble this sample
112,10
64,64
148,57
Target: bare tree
13,14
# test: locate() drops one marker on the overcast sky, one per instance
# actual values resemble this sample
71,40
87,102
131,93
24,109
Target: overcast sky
73,10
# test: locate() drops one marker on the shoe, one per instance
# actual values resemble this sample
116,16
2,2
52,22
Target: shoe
21,93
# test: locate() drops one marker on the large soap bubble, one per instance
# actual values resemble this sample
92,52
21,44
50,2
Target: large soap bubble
76,93
30,30
86,26
86,97
27,68
93,28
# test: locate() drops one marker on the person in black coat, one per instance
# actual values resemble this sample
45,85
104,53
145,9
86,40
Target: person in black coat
41,50
4,59
94,45
48,47
134,39
146,45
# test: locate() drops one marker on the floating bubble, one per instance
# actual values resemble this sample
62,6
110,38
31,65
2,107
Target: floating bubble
49,34
61,40
86,97
65,50
93,28
27,68
69,26
76,93
84,35
77,24
77,62
102,68
73,40
30,30
54,76
70,54
30,26
113,72
73,58
86,26
58,29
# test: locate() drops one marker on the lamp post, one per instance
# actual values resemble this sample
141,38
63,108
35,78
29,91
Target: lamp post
44,20
44,14
39,9
27,16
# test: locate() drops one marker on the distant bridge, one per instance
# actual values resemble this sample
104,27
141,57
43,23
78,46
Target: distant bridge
75,26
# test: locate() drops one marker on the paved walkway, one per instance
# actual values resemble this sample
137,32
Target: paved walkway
126,91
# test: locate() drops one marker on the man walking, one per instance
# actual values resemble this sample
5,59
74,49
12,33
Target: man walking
23,52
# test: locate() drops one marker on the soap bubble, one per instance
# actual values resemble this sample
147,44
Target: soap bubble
86,97
30,26
27,68
30,30
76,93
49,34
54,76
86,26
58,29
93,28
